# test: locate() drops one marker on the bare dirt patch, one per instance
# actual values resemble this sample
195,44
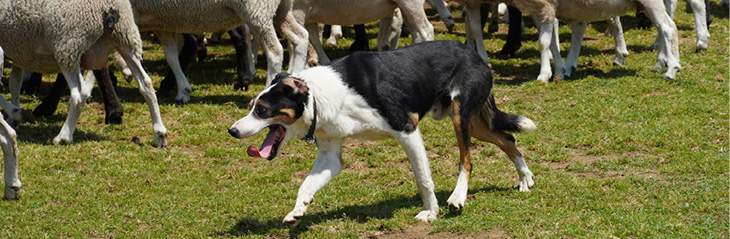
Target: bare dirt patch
422,231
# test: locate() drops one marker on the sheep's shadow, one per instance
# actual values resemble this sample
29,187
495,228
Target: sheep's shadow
360,213
43,134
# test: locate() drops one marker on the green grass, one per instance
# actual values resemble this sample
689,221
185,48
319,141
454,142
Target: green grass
618,152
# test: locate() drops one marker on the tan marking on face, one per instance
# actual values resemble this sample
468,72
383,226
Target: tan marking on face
287,117
251,103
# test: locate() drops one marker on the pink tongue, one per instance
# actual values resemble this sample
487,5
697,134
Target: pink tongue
266,146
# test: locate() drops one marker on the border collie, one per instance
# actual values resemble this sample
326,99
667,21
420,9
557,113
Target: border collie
376,95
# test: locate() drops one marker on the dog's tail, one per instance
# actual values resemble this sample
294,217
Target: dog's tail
502,121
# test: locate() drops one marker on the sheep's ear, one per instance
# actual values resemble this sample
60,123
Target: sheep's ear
279,77
294,86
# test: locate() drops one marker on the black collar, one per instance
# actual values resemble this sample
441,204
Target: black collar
309,138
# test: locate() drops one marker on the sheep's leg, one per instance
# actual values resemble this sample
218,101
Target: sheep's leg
13,110
361,39
474,38
703,35
15,84
390,31
415,18
668,52
618,38
241,41
578,29
335,34
444,13
297,36
187,51
76,105
253,50
122,66
171,43
493,18
548,45
266,37
112,105
145,88
514,33
313,31
9,144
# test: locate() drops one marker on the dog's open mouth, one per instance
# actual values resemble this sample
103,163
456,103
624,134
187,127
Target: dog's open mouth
270,147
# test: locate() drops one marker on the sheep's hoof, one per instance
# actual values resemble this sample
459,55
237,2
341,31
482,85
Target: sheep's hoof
27,116
11,193
60,140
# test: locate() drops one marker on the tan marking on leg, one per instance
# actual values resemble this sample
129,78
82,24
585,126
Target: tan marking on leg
342,162
415,119
482,131
464,147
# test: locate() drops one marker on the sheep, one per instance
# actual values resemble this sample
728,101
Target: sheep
351,12
701,15
444,13
113,108
548,11
68,36
359,45
168,19
9,145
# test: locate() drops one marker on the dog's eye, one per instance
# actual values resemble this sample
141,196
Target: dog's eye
260,111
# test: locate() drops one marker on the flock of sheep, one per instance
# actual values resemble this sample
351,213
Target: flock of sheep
68,37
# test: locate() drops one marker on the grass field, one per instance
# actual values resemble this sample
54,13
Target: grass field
619,152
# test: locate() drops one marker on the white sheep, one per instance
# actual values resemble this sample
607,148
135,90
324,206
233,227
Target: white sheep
9,144
351,12
68,36
576,11
169,19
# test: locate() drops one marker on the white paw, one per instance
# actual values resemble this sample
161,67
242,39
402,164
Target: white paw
526,183
456,202
62,140
160,137
294,217
544,78
427,216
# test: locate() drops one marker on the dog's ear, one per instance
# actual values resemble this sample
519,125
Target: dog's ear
278,77
294,86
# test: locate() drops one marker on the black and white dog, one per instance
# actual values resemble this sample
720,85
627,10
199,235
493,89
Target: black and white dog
369,95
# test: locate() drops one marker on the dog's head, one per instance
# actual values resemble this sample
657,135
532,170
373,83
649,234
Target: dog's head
277,107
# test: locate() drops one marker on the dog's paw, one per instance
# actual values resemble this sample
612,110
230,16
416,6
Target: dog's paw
427,216
456,202
526,183
293,217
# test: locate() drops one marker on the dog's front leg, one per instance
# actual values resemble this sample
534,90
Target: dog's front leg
326,167
413,145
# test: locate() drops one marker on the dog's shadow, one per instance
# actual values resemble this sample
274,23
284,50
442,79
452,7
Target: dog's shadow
360,213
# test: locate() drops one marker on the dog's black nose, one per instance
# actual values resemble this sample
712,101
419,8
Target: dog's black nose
234,132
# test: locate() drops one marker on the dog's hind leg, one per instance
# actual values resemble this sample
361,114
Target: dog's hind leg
413,145
506,142
326,167
461,126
